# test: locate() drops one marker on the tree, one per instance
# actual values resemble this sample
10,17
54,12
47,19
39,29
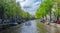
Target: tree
11,8
44,8
57,9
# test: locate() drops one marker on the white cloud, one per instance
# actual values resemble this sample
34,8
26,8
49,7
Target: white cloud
29,5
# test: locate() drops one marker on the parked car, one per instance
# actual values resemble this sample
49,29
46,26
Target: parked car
58,22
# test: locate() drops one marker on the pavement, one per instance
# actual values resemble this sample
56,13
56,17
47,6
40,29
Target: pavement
53,24
52,27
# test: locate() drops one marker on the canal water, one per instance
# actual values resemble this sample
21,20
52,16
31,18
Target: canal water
28,27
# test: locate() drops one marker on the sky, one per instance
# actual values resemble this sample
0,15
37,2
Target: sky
30,5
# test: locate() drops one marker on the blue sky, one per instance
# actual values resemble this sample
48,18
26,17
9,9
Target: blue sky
30,5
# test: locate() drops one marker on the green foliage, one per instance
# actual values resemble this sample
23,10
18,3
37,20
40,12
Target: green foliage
57,10
12,8
25,15
45,8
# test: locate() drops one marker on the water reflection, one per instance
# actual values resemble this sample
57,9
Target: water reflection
28,27
34,26
28,24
